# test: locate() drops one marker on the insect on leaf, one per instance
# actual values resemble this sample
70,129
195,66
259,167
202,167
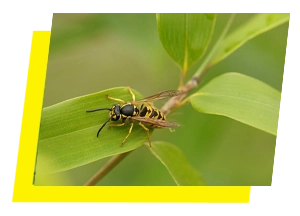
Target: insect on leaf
68,138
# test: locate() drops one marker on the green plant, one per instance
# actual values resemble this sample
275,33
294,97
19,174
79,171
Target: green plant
68,134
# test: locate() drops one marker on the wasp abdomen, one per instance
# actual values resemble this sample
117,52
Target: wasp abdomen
151,112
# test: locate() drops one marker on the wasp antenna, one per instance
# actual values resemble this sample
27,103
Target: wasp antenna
94,110
103,126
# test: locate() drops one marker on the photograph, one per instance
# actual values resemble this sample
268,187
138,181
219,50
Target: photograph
167,99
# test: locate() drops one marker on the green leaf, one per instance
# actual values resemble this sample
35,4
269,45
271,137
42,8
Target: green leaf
242,98
185,36
68,138
42,180
257,25
176,163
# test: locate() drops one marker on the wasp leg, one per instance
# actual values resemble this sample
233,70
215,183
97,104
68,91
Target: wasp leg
115,99
147,130
133,95
116,125
127,134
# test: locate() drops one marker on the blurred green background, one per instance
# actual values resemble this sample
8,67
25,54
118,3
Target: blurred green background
92,52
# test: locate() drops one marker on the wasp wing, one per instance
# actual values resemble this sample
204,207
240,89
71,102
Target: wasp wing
155,122
159,96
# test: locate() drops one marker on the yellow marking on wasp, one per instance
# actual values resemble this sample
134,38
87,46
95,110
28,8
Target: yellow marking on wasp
123,116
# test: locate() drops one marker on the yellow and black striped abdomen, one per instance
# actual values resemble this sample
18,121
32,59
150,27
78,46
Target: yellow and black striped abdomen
151,112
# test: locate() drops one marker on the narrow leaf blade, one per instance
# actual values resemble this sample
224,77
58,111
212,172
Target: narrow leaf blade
242,98
176,163
185,37
257,25
68,138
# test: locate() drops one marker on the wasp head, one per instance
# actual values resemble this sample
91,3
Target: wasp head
115,112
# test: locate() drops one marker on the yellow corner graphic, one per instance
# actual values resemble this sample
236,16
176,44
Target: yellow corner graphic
25,191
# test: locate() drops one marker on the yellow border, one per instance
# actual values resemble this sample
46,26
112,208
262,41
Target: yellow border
25,191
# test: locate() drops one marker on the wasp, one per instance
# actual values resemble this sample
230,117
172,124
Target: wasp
131,112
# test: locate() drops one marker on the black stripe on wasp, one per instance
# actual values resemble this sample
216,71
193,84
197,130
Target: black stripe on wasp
131,112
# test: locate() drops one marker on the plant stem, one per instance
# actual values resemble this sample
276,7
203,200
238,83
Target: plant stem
114,161
176,102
